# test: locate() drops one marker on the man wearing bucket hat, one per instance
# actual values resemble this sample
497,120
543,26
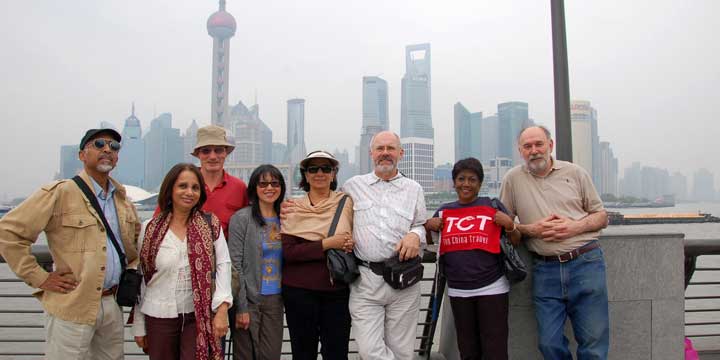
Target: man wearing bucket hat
83,320
225,193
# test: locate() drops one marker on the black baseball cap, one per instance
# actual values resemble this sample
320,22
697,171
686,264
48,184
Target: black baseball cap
90,134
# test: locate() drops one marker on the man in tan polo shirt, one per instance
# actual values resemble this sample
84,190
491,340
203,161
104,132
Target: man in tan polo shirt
561,216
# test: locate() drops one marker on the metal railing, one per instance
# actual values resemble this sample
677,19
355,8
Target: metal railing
704,309
20,314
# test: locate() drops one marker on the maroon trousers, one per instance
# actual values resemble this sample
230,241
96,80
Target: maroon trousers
171,339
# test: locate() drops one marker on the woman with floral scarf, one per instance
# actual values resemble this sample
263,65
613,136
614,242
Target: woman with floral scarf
186,266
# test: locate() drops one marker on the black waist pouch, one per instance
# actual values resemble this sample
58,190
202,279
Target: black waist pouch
128,292
402,274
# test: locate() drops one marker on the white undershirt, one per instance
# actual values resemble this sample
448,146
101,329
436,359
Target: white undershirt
500,286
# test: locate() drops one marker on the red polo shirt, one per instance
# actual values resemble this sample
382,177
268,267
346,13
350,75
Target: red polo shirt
226,198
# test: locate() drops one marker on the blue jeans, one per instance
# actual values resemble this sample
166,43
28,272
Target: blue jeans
575,289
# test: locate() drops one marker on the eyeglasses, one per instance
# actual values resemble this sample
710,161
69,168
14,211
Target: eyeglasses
217,149
264,184
314,169
100,144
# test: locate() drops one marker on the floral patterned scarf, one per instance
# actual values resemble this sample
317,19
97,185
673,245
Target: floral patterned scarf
201,234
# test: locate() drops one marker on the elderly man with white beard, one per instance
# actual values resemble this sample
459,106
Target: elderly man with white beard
83,320
389,213
561,216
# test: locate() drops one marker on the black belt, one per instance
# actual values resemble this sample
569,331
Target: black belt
570,255
376,267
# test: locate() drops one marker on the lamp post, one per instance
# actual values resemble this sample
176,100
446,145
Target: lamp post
563,131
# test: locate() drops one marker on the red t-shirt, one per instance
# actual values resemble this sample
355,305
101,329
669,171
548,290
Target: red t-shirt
224,200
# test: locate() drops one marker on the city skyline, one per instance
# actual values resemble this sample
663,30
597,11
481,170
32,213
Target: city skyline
62,87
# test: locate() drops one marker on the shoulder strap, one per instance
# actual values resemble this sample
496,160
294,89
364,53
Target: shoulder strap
93,201
336,218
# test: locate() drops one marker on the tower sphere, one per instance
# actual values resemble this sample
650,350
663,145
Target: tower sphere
221,25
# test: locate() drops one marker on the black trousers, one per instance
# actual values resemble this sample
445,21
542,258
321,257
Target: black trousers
314,316
481,323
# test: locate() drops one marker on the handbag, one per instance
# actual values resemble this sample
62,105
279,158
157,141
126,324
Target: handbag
402,274
341,265
513,265
128,291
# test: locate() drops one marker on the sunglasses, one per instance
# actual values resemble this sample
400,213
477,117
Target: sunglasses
314,169
217,149
264,184
100,144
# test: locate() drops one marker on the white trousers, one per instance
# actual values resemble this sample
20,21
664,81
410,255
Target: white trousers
384,320
104,340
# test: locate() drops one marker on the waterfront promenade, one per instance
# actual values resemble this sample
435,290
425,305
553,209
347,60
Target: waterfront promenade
22,320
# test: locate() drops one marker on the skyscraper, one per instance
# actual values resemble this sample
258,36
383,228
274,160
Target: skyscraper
221,26
468,132
417,162
703,185
189,141
295,131
279,153
416,128
131,167
253,138
678,185
163,149
70,164
375,117
512,118
581,119
608,170
489,139
416,109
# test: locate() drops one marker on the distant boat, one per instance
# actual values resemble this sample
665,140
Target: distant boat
660,202
616,218
4,209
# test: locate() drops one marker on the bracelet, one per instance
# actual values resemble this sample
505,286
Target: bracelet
513,229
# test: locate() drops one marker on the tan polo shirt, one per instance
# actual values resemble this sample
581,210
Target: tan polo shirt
567,191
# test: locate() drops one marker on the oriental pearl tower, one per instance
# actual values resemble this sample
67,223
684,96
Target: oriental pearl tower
221,26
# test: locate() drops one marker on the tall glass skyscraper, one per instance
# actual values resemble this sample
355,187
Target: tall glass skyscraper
468,132
416,130
295,131
512,117
416,109
163,149
131,164
375,117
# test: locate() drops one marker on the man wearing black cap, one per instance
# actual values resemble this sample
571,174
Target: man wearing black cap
83,320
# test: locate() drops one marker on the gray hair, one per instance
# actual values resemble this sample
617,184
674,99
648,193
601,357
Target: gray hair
541,127
397,137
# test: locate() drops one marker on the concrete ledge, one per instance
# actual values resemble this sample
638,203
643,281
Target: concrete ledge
646,298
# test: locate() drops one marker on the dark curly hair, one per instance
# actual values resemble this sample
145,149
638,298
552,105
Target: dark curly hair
471,164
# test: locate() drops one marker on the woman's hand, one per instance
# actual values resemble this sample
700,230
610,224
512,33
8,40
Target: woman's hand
434,224
242,321
337,241
220,323
141,342
505,221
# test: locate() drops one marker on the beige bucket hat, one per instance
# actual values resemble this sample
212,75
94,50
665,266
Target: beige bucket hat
212,135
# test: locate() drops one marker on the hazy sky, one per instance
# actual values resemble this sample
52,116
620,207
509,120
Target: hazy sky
650,68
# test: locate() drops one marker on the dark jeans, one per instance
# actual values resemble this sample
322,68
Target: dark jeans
576,289
481,323
317,315
171,338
